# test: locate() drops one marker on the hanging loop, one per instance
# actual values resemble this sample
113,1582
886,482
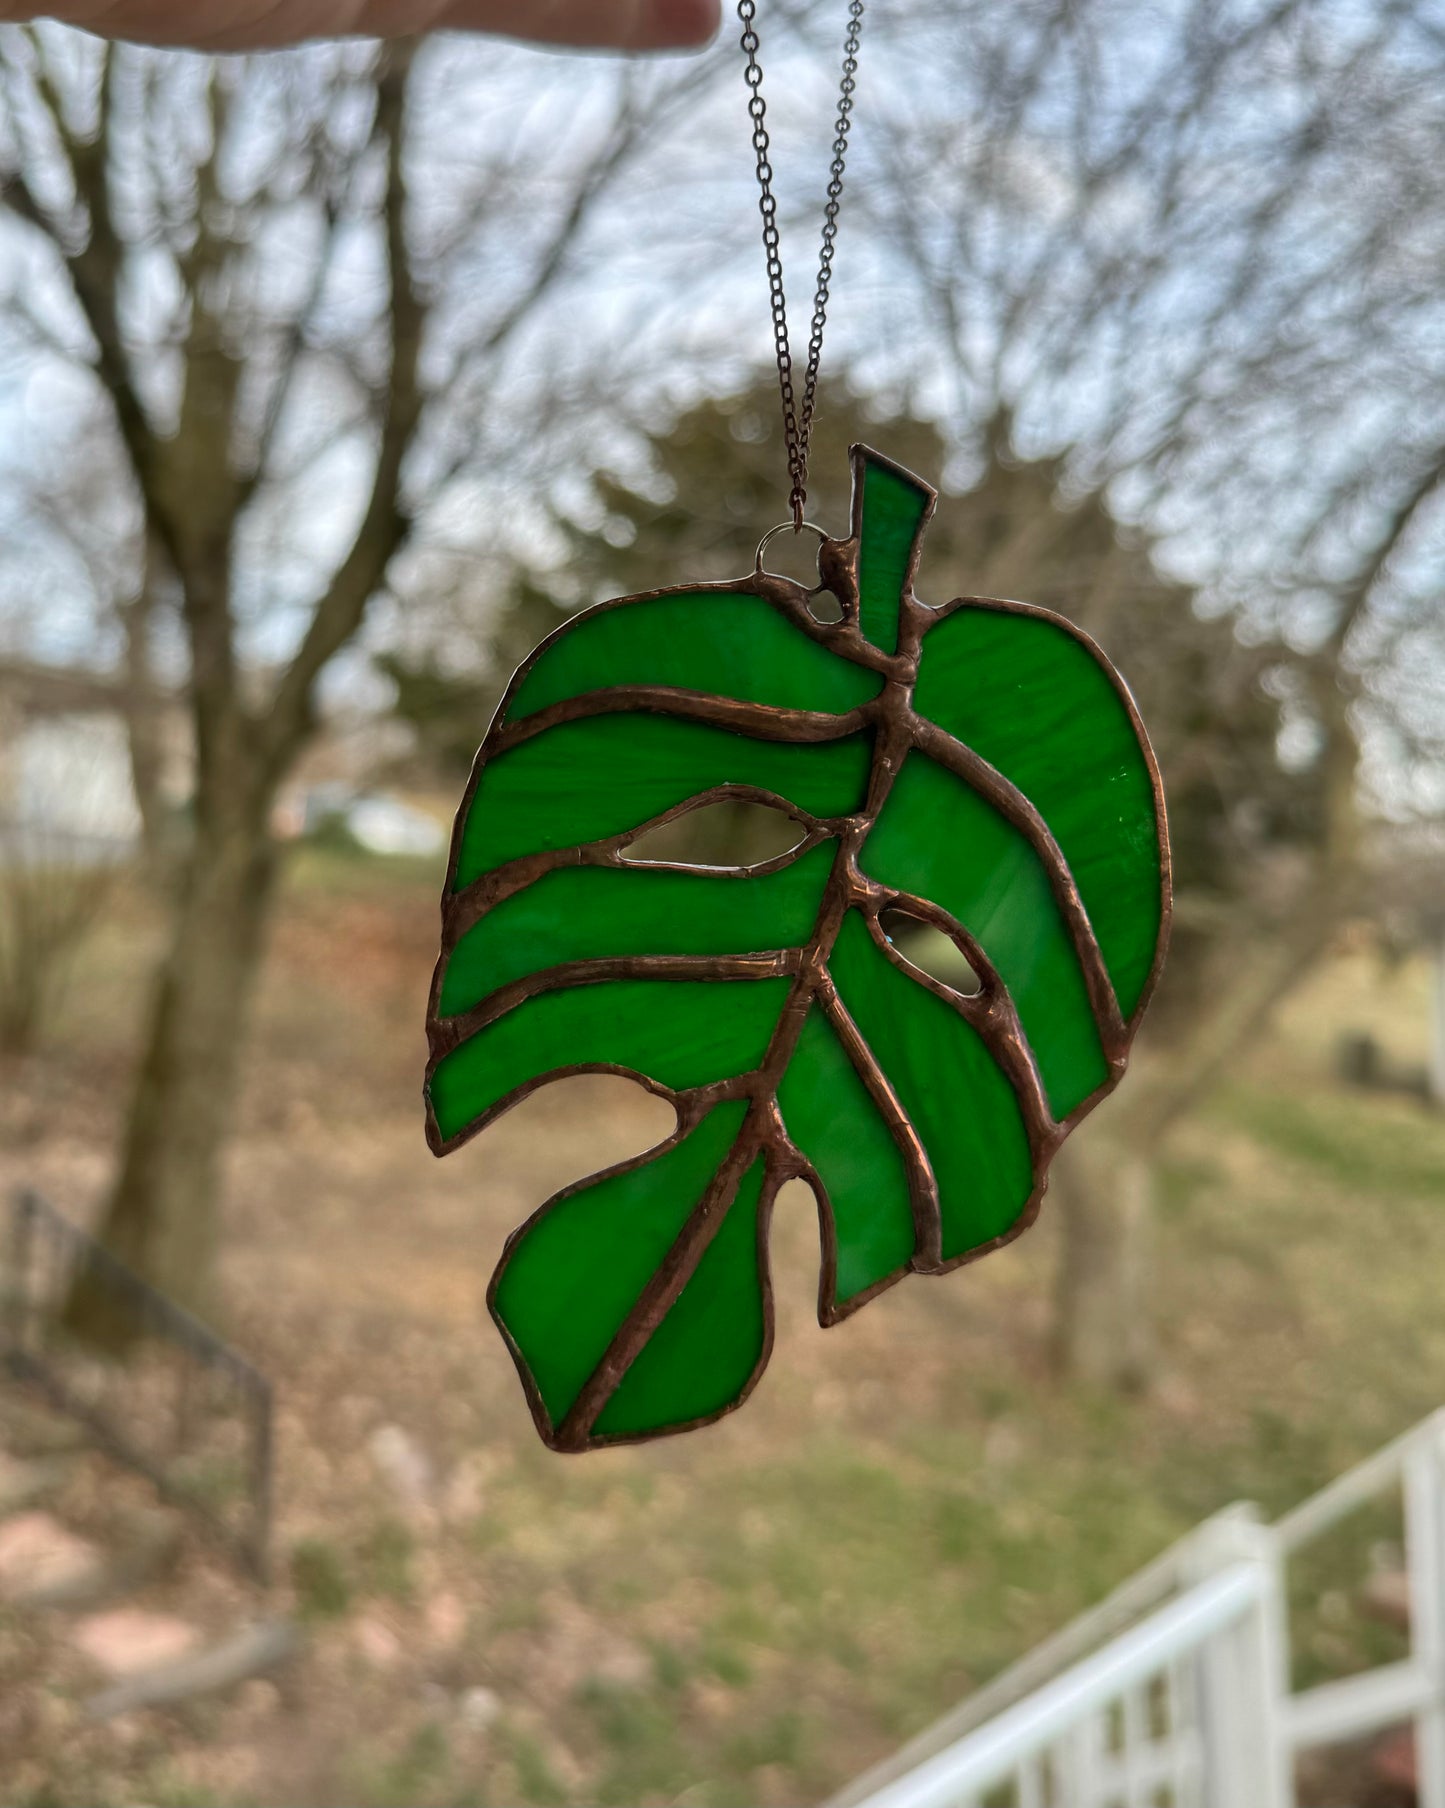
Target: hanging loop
794,526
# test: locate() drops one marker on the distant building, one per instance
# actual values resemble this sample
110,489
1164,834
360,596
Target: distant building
66,786
67,783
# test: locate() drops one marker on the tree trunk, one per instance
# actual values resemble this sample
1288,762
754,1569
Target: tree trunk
1437,1020
162,1217
147,759
1105,1181
145,729
1103,1327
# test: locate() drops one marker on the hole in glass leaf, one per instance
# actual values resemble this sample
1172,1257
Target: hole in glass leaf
578,1125
930,950
730,833
825,607
793,1256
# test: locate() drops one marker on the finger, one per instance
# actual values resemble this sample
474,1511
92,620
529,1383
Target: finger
259,24
599,24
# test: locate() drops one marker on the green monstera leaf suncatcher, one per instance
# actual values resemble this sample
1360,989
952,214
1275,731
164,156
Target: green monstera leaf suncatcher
978,768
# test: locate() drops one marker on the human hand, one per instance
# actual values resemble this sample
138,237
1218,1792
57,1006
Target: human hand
265,24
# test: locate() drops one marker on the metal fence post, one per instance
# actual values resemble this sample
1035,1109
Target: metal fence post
1244,1678
1425,1560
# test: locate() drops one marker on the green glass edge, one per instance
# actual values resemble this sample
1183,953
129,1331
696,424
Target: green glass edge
678,1032
1034,701
937,838
830,1115
572,1278
701,1357
893,511
729,644
591,912
582,781
957,1099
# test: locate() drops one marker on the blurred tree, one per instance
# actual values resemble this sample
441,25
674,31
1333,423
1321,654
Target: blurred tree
1198,251
449,710
443,708
69,558
288,365
53,892
698,496
709,485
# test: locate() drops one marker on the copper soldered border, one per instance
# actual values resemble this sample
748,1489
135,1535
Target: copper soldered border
896,729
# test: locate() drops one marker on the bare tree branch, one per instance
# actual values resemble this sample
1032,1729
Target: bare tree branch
94,266
384,525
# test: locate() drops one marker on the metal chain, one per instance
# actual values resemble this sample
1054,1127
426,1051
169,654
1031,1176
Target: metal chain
798,422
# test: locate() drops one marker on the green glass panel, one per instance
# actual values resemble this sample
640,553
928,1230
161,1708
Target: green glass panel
679,1032
893,510
585,780
703,1354
1037,705
937,838
831,1117
587,912
572,1279
732,645
956,1098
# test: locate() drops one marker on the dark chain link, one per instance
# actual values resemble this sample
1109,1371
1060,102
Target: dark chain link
798,422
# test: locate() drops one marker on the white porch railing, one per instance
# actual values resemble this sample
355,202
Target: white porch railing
1175,1691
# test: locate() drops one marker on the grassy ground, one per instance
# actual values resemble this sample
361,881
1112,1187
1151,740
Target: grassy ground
757,1612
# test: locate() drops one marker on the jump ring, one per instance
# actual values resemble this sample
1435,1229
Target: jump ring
785,527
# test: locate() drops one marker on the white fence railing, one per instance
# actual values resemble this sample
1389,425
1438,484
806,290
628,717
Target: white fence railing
1175,1692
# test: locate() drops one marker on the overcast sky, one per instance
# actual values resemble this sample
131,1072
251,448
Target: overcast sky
663,296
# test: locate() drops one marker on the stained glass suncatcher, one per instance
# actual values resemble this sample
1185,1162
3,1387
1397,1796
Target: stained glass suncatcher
978,769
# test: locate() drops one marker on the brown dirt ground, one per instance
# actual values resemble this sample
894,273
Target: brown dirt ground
749,1614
